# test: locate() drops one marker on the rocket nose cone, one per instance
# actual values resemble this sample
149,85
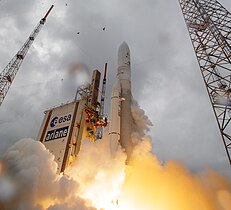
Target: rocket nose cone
123,55
124,47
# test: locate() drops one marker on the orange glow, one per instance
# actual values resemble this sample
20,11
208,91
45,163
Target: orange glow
145,183
96,181
1,167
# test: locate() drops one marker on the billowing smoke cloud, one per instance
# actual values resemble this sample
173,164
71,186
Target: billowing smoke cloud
171,186
141,123
102,175
28,179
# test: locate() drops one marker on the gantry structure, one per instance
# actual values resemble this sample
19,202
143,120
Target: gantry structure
209,27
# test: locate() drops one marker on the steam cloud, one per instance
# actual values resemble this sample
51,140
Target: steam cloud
28,179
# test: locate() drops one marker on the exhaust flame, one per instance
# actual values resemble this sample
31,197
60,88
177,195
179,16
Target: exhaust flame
96,181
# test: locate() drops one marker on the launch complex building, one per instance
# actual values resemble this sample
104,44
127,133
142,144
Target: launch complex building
64,127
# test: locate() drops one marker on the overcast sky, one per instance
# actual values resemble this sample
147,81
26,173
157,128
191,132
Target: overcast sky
167,82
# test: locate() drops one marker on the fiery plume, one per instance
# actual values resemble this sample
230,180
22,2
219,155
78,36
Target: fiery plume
29,181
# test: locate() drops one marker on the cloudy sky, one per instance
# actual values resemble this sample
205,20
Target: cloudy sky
166,78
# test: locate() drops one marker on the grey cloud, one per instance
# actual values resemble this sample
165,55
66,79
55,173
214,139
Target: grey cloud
166,79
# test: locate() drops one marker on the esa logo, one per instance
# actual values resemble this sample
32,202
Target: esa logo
59,120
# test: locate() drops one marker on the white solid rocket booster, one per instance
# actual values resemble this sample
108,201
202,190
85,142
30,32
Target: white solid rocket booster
114,126
124,108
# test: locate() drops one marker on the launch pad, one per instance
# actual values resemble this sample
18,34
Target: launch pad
65,126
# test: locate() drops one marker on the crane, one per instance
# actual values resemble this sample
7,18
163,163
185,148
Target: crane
9,72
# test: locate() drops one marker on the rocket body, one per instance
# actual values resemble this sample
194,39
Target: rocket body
124,81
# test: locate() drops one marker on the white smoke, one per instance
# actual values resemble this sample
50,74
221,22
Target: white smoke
141,123
96,181
29,180
99,172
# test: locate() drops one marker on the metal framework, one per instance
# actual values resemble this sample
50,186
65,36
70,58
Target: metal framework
209,26
99,133
9,72
83,92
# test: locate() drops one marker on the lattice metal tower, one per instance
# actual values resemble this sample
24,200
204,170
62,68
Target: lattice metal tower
209,26
9,72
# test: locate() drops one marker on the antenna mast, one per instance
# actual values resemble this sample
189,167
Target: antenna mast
101,113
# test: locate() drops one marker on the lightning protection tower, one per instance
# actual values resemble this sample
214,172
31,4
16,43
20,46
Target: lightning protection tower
9,72
102,119
209,26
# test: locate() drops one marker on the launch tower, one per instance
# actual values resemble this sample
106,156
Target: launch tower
64,127
209,26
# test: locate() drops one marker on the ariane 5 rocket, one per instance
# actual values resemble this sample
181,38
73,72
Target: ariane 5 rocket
120,127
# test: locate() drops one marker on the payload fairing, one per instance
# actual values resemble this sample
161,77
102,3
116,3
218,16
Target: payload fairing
120,127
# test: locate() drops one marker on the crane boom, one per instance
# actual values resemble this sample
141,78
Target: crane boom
9,72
